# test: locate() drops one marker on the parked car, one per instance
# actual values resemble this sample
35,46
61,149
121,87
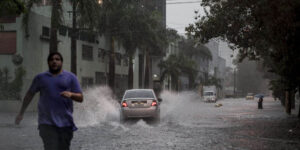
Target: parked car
140,103
249,96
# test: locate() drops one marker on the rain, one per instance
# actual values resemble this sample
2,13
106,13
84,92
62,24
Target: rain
222,75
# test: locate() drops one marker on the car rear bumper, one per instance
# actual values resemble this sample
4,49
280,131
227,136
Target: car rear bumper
140,112
210,100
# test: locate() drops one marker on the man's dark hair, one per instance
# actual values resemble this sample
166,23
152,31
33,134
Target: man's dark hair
55,53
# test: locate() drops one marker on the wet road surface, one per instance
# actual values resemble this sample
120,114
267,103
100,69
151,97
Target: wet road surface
186,123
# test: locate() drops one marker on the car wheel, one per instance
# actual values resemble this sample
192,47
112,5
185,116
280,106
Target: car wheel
122,118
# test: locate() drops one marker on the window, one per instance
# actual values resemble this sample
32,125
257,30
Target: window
87,82
87,36
125,61
62,30
101,55
70,32
8,44
87,52
100,78
45,31
118,59
44,3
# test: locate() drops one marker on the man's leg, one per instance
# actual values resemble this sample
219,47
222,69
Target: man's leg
65,137
49,136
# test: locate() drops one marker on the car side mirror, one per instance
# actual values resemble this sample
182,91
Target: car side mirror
159,100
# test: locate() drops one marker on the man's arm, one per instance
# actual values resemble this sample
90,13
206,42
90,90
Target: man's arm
26,101
78,97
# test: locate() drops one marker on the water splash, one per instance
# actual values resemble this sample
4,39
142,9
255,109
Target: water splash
141,123
98,107
179,107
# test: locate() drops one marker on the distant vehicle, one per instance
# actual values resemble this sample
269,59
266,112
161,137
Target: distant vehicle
140,103
209,93
249,96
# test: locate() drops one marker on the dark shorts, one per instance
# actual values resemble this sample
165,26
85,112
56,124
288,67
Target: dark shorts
55,138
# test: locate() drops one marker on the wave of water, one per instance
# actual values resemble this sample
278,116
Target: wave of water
98,107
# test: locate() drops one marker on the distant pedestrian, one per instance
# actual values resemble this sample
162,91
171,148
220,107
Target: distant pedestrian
58,89
260,103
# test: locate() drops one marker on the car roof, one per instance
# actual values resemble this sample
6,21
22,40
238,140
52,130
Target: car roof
139,90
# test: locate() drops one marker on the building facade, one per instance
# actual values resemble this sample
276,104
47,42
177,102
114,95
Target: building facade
32,50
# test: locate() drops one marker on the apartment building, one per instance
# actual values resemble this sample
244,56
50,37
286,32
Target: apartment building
17,49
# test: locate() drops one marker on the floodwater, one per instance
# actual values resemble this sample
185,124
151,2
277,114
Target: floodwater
186,123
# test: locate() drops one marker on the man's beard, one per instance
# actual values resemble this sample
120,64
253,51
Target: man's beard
54,71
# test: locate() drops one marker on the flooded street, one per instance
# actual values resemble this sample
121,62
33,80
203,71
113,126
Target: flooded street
186,123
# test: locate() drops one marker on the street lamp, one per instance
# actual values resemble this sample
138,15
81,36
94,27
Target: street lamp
100,2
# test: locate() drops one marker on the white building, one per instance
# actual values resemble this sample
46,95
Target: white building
218,64
92,53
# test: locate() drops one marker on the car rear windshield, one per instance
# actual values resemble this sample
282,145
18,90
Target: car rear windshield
139,94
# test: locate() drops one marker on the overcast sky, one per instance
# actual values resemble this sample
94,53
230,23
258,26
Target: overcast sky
181,13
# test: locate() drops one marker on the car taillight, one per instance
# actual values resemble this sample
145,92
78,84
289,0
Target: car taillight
154,103
124,104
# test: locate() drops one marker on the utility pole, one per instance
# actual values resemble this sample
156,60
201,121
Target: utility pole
234,81
73,40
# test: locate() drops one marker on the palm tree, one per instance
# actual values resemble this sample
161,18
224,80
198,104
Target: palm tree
56,20
188,66
134,27
85,11
171,70
113,17
153,40
133,21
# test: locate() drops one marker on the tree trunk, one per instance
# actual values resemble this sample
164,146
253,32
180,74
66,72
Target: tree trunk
299,102
169,82
54,26
287,102
174,83
292,97
191,82
111,70
73,41
146,83
130,73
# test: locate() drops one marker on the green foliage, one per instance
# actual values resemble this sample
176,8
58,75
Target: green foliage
134,26
11,7
87,13
249,79
174,66
11,90
267,30
190,48
208,80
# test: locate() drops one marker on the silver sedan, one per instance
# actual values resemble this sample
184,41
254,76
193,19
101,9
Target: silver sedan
140,103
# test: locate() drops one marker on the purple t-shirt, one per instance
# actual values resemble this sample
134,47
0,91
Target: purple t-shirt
53,108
